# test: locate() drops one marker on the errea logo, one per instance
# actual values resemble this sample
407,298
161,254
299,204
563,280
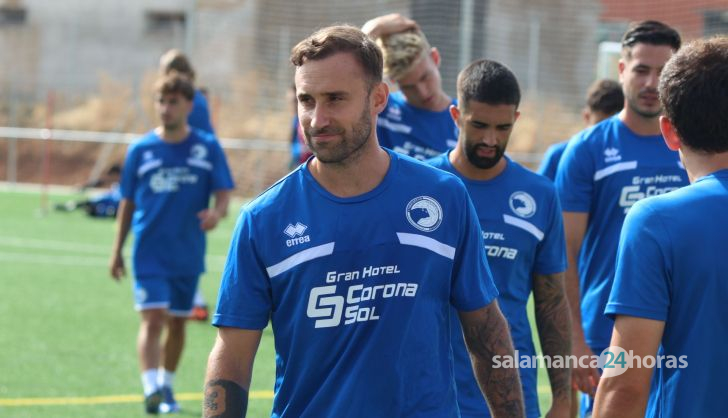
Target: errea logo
295,232
611,155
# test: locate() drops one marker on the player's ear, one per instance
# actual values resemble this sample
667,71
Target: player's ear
669,134
620,69
379,96
455,113
435,55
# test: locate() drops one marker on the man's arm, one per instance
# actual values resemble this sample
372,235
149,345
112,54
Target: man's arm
229,371
387,25
486,335
211,216
575,223
554,329
123,224
625,395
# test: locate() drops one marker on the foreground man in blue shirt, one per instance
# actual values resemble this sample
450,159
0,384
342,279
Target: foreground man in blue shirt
670,289
520,219
356,259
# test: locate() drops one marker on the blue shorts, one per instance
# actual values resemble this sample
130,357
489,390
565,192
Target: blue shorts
175,294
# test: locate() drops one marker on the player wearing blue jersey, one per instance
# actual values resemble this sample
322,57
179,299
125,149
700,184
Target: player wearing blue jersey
603,99
521,224
166,183
199,117
603,172
416,120
671,288
356,258
175,60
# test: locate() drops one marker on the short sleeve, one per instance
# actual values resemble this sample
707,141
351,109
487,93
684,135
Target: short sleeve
550,161
222,179
641,282
472,284
575,176
245,297
128,181
551,251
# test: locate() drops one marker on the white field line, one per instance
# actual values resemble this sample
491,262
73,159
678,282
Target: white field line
29,250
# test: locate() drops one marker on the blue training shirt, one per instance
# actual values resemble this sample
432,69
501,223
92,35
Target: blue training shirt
418,133
358,290
672,267
551,159
523,232
169,184
199,117
603,172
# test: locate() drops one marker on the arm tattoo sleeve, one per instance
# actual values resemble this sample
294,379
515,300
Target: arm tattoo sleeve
554,328
486,337
224,399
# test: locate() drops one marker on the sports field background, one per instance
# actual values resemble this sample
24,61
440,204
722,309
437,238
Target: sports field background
68,332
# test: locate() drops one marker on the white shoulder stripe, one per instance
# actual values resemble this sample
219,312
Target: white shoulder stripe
149,165
614,168
525,225
299,258
205,165
427,243
394,127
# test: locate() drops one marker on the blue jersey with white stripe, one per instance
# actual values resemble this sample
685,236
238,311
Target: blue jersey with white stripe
603,172
169,184
672,267
520,219
358,290
418,133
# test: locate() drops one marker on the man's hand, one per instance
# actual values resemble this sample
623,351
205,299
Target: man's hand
208,219
559,410
585,379
387,25
116,266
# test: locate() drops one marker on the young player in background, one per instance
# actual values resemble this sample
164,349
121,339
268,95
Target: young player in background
603,99
168,178
670,289
603,172
416,120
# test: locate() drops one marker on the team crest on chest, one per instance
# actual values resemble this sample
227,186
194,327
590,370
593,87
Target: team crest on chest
424,213
522,204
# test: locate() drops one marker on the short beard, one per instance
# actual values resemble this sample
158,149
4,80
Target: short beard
632,103
483,162
349,147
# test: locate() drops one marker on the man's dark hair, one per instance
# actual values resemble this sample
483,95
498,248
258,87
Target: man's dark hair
649,32
175,83
342,38
694,94
605,96
489,82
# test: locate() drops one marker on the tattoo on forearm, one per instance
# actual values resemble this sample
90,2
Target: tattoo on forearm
502,386
554,328
224,399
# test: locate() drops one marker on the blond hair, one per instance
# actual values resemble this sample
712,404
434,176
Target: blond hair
402,51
